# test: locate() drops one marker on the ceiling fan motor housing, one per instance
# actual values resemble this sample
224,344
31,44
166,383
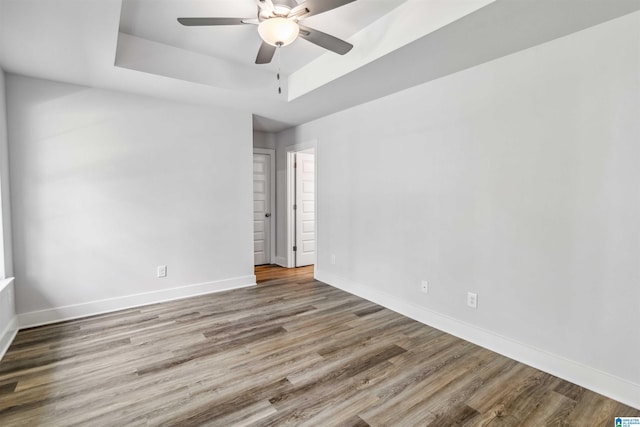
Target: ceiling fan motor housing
281,8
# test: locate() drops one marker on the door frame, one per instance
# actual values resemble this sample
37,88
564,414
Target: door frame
272,199
290,196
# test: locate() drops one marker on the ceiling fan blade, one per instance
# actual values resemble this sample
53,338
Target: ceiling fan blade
325,40
318,6
265,54
197,22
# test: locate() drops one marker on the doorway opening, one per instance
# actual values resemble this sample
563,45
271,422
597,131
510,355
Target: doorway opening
264,221
301,206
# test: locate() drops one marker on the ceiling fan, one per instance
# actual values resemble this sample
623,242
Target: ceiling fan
278,24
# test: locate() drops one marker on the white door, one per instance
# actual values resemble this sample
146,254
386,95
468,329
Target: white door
261,206
305,210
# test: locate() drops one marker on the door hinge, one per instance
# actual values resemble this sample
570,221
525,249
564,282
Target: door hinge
295,207
295,248
295,164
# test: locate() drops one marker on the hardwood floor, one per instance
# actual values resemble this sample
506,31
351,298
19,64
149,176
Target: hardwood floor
268,273
290,351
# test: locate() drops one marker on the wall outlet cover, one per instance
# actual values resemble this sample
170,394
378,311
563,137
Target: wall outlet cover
424,286
472,300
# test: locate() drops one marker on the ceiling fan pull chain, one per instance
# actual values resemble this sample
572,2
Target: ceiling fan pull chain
279,45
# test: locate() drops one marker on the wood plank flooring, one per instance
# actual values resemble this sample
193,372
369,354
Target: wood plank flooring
291,351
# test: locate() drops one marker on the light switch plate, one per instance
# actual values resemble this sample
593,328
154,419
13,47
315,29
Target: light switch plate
162,271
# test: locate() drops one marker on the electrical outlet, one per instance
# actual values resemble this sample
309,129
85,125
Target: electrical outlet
472,300
162,271
424,286
333,259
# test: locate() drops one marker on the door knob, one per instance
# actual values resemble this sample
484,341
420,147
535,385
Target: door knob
267,215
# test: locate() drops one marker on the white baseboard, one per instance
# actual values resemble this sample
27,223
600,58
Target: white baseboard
58,314
593,379
281,261
8,335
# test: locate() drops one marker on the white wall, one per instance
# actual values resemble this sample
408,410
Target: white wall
281,200
266,140
107,186
516,179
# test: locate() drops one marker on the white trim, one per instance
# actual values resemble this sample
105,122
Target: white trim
8,335
272,196
7,294
301,146
58,314
601,382
5,282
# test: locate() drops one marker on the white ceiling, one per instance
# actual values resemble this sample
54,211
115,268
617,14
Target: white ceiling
137,46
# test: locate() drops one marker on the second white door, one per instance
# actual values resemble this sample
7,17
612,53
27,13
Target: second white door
305,209
261,209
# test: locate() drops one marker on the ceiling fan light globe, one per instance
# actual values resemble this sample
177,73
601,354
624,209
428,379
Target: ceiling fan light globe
278,31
